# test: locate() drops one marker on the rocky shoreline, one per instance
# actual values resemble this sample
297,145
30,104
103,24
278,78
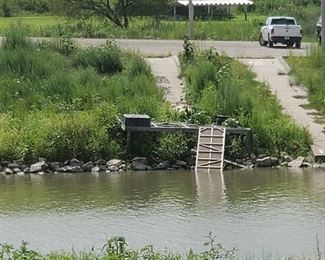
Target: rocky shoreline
141,164
76,166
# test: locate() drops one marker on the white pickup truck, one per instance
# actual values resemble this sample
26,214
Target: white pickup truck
280,29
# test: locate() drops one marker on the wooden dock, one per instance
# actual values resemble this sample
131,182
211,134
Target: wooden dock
211,138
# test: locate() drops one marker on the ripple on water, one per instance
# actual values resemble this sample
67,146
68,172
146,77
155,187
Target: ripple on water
268,211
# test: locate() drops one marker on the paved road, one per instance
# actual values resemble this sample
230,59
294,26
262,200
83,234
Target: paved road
235,49
292,98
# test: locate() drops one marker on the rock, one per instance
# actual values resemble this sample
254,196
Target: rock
114,162
76,169
164,165
100,162
16,170
75,162
120,170
20,173
27,170
41,173
38,167
287,158
180,165
95,169
88,166
267,162
284,164
5,163
54,166
60,169
113,168
41,159
306,165
102,167
297,163
8,171
139,163
14,165
67,168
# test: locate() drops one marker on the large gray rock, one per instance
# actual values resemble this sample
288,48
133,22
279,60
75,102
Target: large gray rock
88,166
113,168
181,165
76,169
267,162
139,164
95,169
8,171
75,162
55,166
297,163
39,167
164,165
14,165
114,162
100,162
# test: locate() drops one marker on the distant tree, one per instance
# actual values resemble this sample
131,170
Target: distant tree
6,8
116,11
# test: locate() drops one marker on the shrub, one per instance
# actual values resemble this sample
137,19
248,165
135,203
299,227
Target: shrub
105,59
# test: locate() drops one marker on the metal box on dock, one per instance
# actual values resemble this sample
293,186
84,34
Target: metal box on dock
134,120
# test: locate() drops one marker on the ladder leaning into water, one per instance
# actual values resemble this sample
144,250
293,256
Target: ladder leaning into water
210,149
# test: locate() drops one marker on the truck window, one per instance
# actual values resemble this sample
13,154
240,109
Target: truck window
283,21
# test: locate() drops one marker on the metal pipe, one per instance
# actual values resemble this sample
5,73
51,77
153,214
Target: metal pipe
191,19
323,22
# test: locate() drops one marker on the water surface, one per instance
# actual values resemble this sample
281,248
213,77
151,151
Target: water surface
260,212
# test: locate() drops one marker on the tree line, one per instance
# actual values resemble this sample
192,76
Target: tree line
120,11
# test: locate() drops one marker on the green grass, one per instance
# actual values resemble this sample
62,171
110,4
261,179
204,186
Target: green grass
310,72
146,28
58,101
220,85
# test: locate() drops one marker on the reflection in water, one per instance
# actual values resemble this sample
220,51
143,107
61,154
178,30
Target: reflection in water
210,187
278,211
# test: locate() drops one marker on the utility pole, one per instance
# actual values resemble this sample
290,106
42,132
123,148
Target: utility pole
323,23
190,19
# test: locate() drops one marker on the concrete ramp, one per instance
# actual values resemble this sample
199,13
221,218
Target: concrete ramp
167,72
292,98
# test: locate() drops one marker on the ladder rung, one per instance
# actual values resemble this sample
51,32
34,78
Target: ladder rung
207,151
221,136
211,143
210,167
216,160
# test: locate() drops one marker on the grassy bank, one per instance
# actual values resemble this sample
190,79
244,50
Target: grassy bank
58,101
310,72
219,85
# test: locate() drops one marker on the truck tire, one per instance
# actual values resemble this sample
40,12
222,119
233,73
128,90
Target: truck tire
261,41
270,42
298,45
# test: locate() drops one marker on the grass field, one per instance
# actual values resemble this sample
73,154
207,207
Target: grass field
145,28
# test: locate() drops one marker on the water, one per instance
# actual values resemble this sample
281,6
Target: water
260,212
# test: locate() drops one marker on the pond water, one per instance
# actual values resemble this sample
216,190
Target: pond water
260,212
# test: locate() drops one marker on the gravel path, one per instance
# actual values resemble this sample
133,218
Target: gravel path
167,71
